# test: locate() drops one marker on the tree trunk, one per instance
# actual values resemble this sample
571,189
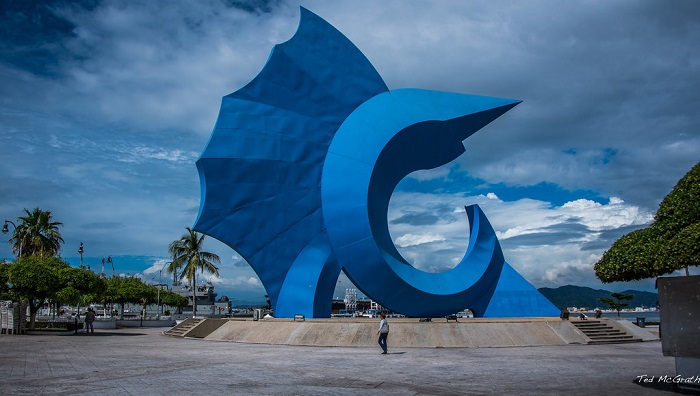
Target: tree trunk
32,314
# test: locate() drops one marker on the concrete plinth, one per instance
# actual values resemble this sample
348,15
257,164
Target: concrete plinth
360,332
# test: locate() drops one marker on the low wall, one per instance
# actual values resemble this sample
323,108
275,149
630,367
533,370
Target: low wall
468,333
145,323
105,324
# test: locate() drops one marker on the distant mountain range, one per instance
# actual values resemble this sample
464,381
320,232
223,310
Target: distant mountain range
578,296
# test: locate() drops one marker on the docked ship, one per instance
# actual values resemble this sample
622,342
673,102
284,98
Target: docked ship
207,304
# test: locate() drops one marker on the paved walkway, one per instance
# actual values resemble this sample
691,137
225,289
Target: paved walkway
141,361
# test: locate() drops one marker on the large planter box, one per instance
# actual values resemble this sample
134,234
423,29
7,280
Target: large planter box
679,300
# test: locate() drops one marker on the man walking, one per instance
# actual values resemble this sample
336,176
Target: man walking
383,332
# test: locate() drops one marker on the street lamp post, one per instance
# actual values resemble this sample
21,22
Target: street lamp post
6,229
111,262
81,251
160,284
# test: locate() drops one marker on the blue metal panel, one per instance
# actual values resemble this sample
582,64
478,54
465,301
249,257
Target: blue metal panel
299,170
260,173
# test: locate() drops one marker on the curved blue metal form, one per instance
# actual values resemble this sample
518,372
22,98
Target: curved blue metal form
301,165
404,138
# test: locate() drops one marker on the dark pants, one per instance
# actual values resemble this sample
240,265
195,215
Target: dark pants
89,327
382,340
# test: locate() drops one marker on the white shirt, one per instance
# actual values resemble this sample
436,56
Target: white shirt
381,324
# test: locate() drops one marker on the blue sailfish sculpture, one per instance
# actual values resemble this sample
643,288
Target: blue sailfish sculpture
298,173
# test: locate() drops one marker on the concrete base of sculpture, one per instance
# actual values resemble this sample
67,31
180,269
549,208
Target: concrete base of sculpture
405,333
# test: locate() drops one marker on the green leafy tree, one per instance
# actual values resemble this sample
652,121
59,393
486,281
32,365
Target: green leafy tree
616,302
5,293
684,249
173,300
126,289
149,297
669,244
37,279
188,254
37,234
80,286
681,207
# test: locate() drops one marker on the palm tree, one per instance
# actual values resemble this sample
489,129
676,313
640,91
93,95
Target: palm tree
187,254
37,234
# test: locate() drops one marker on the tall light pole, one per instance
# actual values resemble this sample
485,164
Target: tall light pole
6,229
81,251
160,283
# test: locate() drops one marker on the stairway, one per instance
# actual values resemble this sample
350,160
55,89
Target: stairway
183,327
603,333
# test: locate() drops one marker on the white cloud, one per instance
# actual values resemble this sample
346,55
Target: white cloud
515,231
165,67
157,267
556,235
140,153
598,217
595,216
415,240
236,282
430,174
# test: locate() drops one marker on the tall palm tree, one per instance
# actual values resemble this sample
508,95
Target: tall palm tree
187,254
37,234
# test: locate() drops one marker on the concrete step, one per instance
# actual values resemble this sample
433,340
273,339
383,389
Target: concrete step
183,327
609,336
603,333
615,341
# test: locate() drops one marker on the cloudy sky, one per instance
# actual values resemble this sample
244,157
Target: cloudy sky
106,105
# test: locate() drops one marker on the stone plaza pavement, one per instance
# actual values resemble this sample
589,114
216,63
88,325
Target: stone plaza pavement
142,361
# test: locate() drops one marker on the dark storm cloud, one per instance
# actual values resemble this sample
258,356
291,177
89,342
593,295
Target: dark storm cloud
567,232
254,6
102,226
418,219
33,33
433,213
